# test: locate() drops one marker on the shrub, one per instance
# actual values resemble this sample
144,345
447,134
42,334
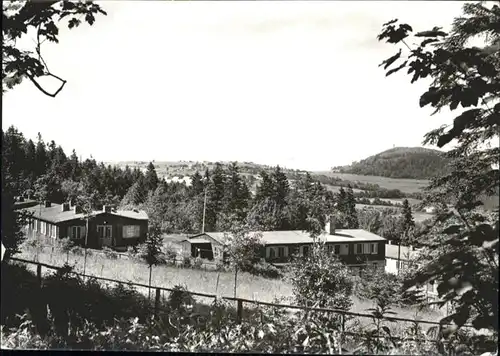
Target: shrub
109,253
196,262
321,279
266,270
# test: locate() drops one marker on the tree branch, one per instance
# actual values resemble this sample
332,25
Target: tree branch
39,87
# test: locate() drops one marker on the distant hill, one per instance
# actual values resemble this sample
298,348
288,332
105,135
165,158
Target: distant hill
400,162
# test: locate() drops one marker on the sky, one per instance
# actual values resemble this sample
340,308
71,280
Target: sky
289,83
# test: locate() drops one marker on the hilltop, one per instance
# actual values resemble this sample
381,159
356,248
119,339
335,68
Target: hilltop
400,162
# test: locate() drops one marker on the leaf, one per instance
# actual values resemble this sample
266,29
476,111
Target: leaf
90,18
394,70
390,60
433,33
390,22
74,22
427,41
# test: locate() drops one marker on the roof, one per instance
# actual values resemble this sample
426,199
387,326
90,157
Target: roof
55,214
198,240
391,251
300,237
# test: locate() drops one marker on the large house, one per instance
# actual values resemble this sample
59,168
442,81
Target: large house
106,227
355,247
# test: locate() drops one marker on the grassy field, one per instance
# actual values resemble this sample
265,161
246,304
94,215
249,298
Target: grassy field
404,185
210,282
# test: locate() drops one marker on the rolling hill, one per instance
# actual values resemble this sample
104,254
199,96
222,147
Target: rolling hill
400,162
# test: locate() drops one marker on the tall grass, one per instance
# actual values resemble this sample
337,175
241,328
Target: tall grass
195,280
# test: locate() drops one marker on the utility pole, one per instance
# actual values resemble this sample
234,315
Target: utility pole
204,211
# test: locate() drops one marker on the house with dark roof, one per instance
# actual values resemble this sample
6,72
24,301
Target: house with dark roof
355,247
106,227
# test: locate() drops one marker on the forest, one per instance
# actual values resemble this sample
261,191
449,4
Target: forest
401,162
43,171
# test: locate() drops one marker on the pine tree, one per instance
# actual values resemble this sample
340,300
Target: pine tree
408,224
197,185
281,186
151,178
264,189
352,214
41,157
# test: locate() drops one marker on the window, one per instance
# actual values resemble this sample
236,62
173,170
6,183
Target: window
35,225
131,231
271,252
104,231
374,248
281,251
305,250
43,228
366,249
53,231
77,232
336,249
358,249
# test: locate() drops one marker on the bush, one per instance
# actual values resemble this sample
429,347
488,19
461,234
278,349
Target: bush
196,262
320,279
187,262
266,270
109,253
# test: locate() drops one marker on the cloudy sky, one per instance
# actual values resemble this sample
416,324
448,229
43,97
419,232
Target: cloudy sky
289,83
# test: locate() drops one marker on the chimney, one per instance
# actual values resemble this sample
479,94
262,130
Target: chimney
332,225
47,204
65,207
106,208
77,209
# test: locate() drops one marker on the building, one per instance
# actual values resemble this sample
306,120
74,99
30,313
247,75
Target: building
406,254
355,247
107,227
392,264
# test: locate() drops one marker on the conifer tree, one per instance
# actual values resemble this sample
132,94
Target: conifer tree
151,178
408,224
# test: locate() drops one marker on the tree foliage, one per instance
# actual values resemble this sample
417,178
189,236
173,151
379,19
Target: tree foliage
462,245
41,19
321,280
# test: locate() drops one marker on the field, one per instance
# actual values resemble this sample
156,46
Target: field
211,282
404,185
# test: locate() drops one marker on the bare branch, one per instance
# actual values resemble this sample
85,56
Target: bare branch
39,87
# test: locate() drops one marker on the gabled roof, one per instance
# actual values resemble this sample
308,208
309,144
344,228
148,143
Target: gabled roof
55,214
300,237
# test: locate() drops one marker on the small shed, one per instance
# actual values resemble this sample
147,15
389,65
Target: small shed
197,247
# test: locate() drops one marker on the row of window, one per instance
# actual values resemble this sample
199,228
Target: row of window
78,232
44,228
342,249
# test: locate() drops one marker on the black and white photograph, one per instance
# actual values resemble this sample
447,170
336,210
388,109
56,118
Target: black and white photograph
265,177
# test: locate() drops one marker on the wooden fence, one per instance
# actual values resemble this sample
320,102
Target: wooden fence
240,304
239,301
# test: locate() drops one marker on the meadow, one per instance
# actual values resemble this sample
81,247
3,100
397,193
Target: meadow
196,280
404,185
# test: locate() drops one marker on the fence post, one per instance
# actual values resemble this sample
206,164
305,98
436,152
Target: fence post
157,302
239,311
39,274
342,330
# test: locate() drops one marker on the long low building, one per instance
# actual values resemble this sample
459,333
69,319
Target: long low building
106,227
355,247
